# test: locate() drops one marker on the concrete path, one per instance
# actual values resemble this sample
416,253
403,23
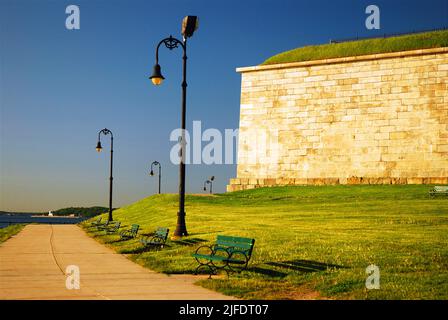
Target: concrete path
33,264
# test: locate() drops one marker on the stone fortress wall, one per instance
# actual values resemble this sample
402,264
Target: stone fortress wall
374,119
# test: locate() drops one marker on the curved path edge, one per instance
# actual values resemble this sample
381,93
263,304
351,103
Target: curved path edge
33,265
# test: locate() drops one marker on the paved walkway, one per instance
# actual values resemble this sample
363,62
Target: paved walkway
33,264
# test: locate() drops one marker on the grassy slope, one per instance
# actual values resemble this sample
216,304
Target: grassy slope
433,39
8,232
397,228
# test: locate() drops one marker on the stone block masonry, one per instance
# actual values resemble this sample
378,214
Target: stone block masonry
375,119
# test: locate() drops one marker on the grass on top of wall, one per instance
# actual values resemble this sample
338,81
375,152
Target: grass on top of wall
434,39
311,241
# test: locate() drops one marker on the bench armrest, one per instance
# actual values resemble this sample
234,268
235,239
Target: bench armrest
152,240
239,252
157,239
210,249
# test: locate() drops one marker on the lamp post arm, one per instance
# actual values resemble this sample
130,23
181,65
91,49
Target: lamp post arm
155,163
170,43
105,131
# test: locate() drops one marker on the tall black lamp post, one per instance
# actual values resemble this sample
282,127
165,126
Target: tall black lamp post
210,182
151,173
106,131
189,25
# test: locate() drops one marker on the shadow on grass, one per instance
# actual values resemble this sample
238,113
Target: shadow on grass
97,235
267,272
199,233
304,265
189,242
118,240
150,234
143,249
295,265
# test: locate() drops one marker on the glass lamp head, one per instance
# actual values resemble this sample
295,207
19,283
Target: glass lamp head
99,147
157,77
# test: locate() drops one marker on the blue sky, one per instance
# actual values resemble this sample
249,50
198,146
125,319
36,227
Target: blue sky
59,87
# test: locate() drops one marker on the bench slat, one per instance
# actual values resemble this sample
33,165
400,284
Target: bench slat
231,248
209,257
234,243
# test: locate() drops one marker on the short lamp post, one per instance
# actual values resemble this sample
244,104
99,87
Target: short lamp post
210,182
99,148
189,26
151,173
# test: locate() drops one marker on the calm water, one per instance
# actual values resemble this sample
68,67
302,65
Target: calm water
6,220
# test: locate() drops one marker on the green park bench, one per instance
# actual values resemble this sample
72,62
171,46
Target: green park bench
104,225
130,233
229,253
158,239
113,227
96,222
438,190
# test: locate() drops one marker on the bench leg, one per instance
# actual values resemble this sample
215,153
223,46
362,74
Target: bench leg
242,265
211,269
221,267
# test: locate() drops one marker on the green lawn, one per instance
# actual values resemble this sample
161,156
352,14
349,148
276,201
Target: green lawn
435,39
313,241
9,231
